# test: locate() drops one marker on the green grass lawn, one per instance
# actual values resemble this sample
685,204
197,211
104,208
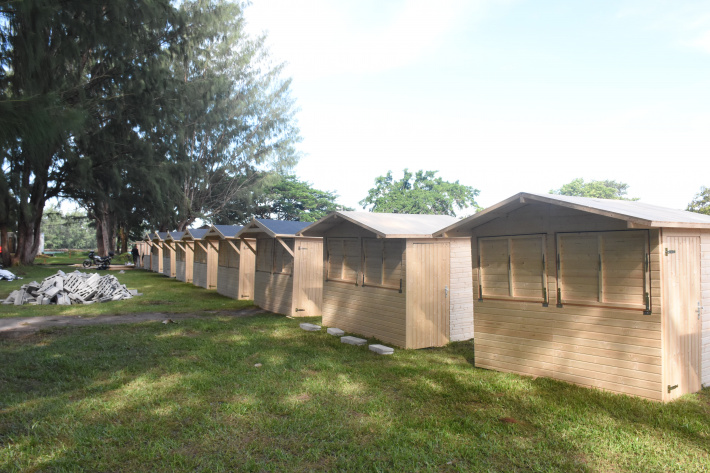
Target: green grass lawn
188,397
160,294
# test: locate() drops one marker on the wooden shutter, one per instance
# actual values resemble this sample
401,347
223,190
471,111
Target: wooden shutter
526,266
579,267
604,268
373,248
335,258
351,262
392,273
623,257
223,255
493,253
264,249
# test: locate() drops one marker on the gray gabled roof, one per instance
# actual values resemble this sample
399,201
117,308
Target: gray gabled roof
223,231
273,228
195,233
159,236
384,225
639,213
174,236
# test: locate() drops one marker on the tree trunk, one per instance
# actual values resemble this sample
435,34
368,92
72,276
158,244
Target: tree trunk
5,245
100,248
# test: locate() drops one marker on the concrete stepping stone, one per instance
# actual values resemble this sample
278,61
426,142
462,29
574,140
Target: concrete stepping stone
310,327
381,349
335,332
353,341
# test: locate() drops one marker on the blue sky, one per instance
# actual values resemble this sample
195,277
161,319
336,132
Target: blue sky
505,96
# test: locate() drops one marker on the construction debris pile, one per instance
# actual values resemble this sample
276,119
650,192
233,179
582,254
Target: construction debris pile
72,288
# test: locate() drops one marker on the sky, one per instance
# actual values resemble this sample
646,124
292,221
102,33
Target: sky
505,96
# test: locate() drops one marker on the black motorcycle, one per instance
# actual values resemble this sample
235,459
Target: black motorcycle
101,262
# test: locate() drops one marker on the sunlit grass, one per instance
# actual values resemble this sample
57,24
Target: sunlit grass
160,294
188,396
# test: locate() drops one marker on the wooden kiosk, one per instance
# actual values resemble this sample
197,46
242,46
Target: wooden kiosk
156,251
204,263
235,262
604,293
184,255
170,253
289,272
385,276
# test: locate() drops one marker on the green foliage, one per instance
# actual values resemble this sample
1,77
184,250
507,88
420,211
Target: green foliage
238,113
67,231
595,189
291,199
281,197
701,202
423,193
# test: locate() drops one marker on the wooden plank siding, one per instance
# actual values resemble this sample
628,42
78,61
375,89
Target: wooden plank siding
705,291
461,290
583,342
273,292
227,270
369,311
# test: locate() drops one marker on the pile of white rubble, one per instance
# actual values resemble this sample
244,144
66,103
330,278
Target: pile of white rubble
72,288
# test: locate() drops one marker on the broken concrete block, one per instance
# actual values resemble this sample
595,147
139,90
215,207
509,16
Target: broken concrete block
335,332
353,341
310,327
52,291
381,349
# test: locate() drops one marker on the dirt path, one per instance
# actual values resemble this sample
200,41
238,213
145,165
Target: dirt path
17,327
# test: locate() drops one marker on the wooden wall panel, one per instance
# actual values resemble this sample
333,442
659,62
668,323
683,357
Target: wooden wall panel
199,274
368,311
180,271
705,291
461,294
228,281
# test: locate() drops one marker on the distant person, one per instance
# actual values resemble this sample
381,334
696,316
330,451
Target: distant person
135,254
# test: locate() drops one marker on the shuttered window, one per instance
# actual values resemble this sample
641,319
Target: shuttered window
283,261
264,253
343,259
227,256
604,268
179,253
200,253
383,262
512,267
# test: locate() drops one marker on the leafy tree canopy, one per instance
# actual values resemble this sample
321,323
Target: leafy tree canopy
284,197
70,230
420,193
701,202
596,189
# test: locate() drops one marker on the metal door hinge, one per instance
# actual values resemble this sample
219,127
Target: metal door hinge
700,310
300,310
669,252
671,388
559,297
446,291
